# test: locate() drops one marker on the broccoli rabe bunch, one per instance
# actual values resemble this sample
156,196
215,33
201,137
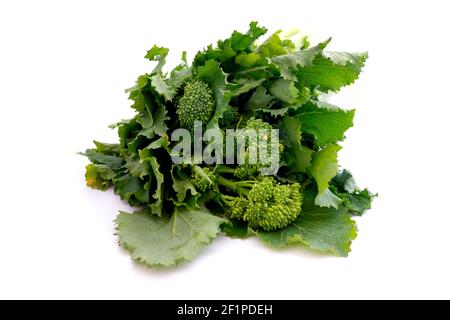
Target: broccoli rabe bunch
260,135
196,104
263,203
246,84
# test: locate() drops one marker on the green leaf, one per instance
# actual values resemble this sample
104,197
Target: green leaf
322,229
237,229
290,63
141,103
107,148
344,181
212,74
240,42
164,242
132,189
280,112
298,156
355,200
228,49
327,123
245,85
99,176
182,184
136,167
128,130
359,201
154,123
272,47
162,87
331,71
158,195
324,167
259,99
327,199
179,77
96,157
157,54
284,90
160,117
248,60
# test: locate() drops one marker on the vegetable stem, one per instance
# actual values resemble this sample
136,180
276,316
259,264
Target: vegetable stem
238,187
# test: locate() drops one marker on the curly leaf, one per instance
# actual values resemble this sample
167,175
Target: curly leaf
164,242
96,157
157,54
324,167
298,157
331,71
213,74
291,62
162,87
182,184
355,200
327,123
99,176
284,90
158,195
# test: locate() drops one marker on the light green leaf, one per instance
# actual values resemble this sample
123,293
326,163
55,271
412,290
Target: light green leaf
154,123
157,54
248,59
178,77
345,181
324,167
182,184
298,157
107,148
332,70
284,90
158,195
259,100
136,167
99,176
162,87
327,123
245,85
96,157
327,199
212,74
355,200
291,62
272,47
164,242
131,189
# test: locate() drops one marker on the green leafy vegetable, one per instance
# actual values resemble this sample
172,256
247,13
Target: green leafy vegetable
288,191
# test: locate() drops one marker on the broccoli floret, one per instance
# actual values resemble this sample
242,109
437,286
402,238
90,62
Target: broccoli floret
197,104
202,178
229,119
246,171
235,206
264,203
250,170
280,208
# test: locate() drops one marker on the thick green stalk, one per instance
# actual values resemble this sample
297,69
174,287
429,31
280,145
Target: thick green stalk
224,169
238,187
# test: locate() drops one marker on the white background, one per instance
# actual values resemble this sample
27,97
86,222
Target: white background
64,66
